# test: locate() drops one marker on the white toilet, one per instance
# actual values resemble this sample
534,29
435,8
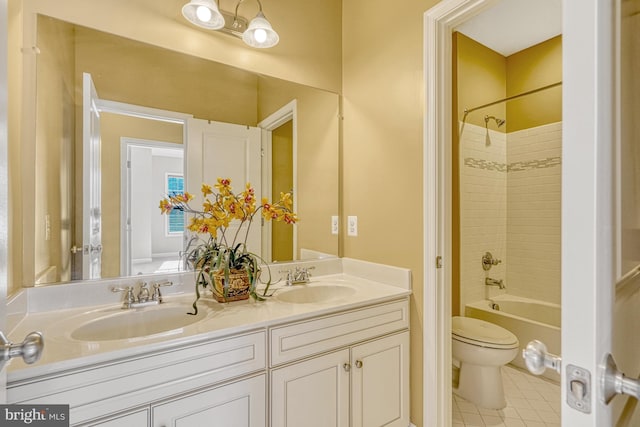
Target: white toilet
481,348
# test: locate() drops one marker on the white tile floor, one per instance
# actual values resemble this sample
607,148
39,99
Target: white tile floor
531,402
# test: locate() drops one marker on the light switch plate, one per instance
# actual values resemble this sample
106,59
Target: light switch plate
334,224
352,226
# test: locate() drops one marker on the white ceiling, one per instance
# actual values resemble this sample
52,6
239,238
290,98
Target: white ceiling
513,25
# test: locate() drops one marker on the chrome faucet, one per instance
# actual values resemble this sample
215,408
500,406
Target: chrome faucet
144,298
494,282
298,276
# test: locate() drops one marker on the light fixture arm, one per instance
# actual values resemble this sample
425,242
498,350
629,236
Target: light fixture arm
242,1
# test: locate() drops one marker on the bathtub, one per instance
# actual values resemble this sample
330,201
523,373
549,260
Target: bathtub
528,319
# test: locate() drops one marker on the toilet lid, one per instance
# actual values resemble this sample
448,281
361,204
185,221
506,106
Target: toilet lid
481,333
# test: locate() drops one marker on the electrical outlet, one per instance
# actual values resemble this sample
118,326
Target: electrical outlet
334,224
352,226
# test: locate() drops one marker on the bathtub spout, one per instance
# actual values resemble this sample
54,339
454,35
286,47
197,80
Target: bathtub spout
494,282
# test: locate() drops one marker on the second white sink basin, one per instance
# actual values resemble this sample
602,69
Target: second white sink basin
133,323
304,294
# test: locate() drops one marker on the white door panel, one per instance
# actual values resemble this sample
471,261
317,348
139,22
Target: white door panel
626,320
92,182
223,150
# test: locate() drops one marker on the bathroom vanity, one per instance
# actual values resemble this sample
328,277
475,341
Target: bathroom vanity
331,352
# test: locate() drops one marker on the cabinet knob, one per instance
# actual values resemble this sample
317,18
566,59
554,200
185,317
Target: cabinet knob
347,367
358,363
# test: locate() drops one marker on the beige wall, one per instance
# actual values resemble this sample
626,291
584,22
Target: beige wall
54,154
308,52
317,157
382,147
532,68
481,79
282,182
137,73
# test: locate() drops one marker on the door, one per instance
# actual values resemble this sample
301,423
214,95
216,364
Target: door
92,182
379,382
224,150
595,120
312,393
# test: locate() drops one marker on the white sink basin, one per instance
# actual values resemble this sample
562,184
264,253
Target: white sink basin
117,324
304,294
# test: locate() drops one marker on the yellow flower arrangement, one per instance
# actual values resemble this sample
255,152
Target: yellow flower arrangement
221,254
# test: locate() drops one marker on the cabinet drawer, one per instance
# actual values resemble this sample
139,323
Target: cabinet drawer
105,389
315,336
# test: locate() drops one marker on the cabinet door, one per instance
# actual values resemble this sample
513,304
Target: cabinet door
312,393
380,382
136,419
239,404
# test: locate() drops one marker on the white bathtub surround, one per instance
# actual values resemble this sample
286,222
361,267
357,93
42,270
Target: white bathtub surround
526,318
483,210
510,206
533,212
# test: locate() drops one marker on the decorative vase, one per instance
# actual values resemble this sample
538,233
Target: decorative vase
238,288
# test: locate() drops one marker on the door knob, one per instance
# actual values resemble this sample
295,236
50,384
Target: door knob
614,382
30,349
537,358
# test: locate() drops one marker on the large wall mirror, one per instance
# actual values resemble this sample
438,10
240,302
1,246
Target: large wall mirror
146,99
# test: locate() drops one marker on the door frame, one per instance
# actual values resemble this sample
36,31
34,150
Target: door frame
125,193
283,115
439,23
588,157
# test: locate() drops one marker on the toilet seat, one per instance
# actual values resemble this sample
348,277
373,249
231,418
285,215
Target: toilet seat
483,334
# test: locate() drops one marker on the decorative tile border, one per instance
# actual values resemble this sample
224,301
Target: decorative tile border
485,164
549,162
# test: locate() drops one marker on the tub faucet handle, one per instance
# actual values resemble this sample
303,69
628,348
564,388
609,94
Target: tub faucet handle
489,261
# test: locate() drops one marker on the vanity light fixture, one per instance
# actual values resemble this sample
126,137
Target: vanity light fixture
204,14
255,33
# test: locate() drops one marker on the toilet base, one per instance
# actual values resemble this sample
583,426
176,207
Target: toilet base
481,385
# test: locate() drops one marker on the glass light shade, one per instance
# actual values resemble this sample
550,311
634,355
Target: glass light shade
204,14
259,33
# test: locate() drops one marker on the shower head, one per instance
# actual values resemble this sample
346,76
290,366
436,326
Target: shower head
499,122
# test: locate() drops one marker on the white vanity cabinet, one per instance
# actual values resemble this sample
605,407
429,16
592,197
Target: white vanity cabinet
353,383
239,404
132,419
108,393
319,367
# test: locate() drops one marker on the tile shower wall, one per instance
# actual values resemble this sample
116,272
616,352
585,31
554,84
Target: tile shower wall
483,203
533,212
510,206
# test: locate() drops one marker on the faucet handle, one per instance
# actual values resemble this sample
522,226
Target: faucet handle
157,296
288,277
128,296
143,293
